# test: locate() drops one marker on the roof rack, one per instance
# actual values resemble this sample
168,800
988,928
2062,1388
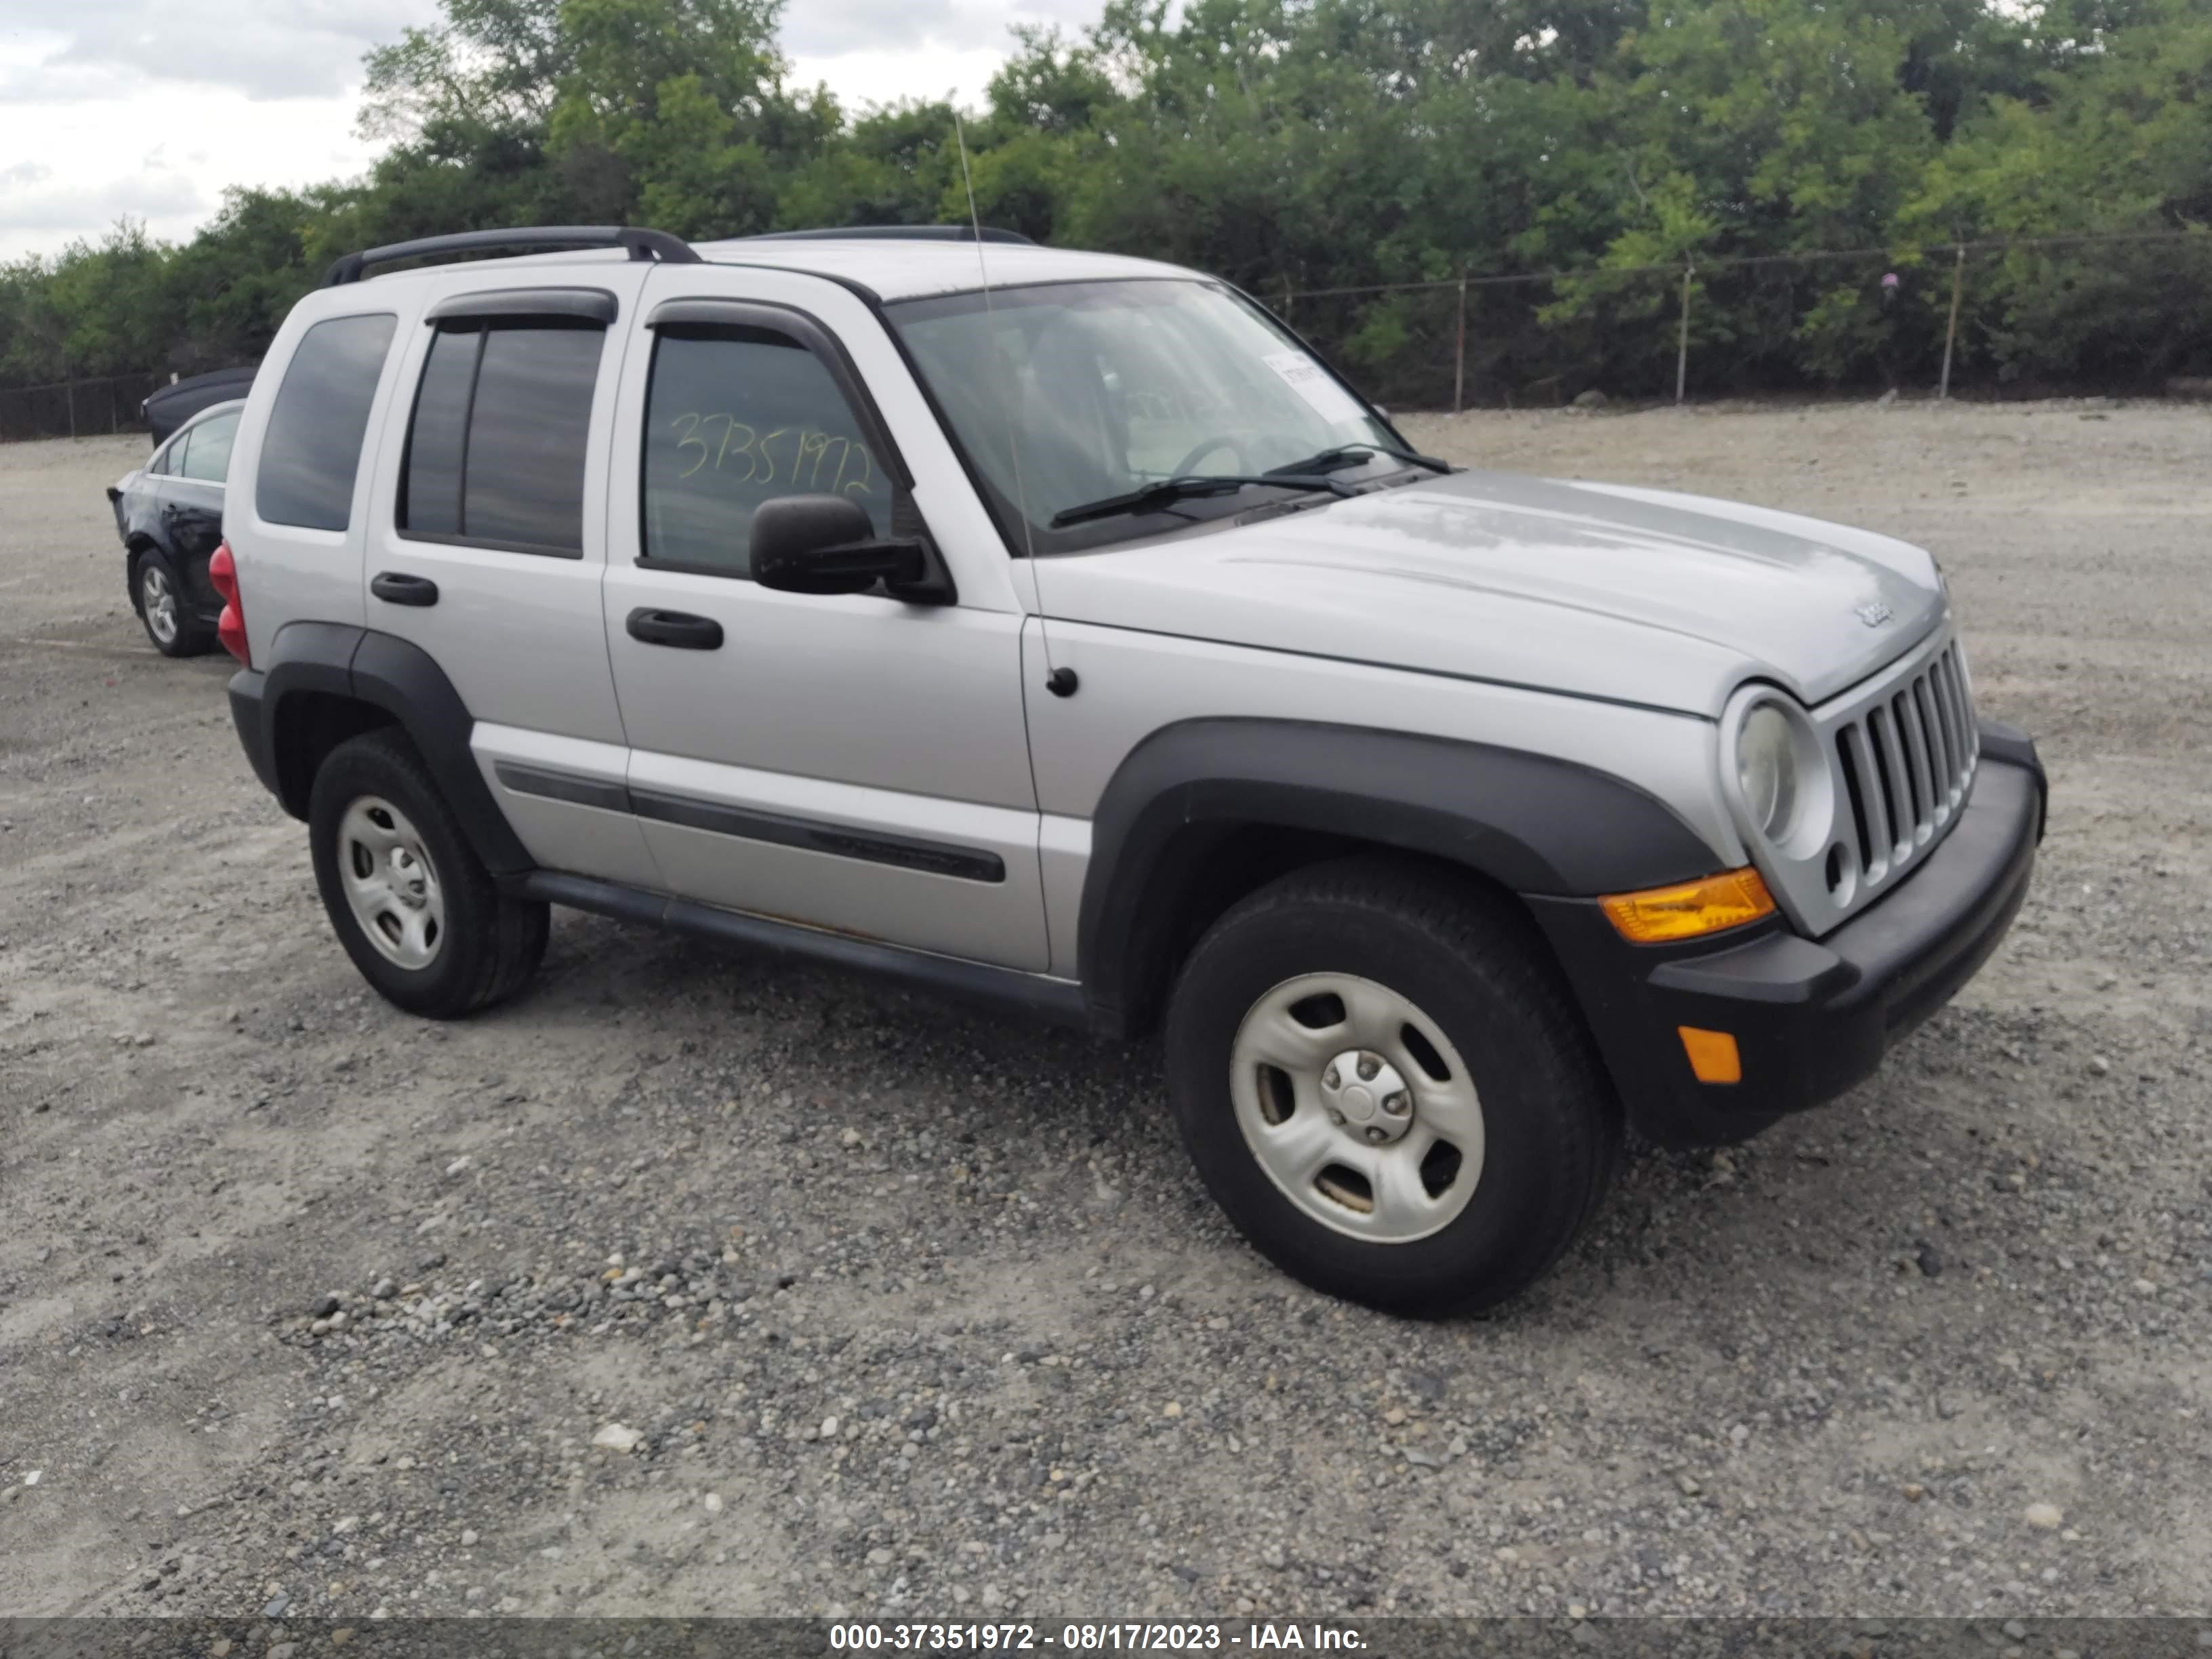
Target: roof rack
895,233
642,245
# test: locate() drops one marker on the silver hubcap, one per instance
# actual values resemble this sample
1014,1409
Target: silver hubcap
159,601
1358,1107
390,883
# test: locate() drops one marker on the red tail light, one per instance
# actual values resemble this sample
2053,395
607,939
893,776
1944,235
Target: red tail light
230,628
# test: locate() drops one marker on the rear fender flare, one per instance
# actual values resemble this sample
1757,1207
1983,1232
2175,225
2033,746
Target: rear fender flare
404,682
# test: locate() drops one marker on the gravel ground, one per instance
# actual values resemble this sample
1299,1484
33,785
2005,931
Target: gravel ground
691,1284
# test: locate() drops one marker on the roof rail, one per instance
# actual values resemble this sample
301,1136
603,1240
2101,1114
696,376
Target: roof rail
895,233
642,245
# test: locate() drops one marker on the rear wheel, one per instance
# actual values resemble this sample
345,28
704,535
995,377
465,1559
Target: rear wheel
413,905
1383,1083
163,609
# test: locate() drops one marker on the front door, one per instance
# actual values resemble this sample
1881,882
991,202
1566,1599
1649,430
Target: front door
851,762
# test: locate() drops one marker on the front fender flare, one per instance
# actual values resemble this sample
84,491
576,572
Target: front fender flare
1528,822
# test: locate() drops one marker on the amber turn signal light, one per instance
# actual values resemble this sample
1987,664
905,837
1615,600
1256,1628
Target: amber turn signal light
1658,915
1713,1056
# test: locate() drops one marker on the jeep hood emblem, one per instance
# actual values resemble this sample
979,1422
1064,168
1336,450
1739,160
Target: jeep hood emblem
1874,615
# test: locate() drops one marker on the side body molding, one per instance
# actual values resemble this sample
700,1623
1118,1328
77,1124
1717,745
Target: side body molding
330,661
1532,823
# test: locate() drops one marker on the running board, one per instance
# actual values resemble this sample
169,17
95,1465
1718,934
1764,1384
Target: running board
1061,1000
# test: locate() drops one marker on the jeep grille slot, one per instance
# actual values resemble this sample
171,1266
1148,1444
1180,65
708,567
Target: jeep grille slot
1906,760
1850,742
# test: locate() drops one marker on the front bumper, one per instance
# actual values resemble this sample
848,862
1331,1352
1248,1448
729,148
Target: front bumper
1810,1018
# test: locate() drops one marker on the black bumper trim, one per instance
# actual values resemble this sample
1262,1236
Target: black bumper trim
248,688
1811,1019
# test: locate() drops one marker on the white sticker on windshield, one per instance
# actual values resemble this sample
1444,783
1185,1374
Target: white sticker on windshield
1316,385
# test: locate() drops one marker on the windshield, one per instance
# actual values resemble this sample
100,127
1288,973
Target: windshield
1069,394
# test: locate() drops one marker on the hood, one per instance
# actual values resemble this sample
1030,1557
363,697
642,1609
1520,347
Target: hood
1637,595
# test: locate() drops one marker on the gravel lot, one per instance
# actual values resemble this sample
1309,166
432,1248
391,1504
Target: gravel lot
691,1284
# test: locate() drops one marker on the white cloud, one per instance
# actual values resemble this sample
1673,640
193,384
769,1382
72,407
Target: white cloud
266,49
34,204
834,30
152,108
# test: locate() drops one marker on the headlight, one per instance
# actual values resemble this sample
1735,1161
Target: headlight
1774,772
1766,770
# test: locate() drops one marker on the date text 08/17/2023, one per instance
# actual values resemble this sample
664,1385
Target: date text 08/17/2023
1090,1635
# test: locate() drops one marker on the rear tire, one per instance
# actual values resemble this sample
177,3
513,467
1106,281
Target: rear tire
411,902
1384,1083
163,611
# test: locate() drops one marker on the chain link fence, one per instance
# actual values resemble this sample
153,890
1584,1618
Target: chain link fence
77,409
2117,313
2113,313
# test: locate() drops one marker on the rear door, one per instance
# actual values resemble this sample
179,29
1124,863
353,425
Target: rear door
853,761
486,541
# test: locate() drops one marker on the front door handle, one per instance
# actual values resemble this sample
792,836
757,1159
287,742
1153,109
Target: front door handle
678,628
394,588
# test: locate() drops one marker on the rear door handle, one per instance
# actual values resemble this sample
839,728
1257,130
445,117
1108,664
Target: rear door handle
678,628
394,588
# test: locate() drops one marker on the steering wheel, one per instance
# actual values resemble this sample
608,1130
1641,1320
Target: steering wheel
1210,446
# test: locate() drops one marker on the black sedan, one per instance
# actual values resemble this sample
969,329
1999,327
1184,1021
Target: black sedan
169,514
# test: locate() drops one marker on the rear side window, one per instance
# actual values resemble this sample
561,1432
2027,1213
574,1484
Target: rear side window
208,459
495,450
313,450
738,416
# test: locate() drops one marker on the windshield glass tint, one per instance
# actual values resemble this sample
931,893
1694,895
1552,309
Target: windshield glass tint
1068,393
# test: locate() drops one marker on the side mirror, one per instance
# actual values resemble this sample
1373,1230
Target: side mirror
826,545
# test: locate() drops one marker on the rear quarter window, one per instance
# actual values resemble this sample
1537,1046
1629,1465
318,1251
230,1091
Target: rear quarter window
311,453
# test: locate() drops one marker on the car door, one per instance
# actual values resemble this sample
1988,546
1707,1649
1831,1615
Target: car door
487,542
852,761
192,502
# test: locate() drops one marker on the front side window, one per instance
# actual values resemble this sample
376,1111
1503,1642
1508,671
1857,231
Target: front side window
495,450
738,416
209,457
1071,393
312,455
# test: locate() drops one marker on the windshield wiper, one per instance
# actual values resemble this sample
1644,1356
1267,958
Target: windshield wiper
1167,492
1330,460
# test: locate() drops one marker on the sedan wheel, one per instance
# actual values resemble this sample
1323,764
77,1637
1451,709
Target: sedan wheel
157,600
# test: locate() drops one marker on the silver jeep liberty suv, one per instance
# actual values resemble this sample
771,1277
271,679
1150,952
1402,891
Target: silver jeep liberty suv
1059,629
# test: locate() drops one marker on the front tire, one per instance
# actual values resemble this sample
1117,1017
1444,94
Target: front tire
411,902
1383,1083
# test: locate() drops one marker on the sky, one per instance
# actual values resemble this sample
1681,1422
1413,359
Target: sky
149,108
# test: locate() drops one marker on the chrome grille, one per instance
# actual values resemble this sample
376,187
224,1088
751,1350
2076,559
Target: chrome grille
1907,757
1899,749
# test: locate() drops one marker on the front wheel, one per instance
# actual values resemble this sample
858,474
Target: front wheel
1380,1081
411,902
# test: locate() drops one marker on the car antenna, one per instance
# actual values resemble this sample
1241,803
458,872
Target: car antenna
1060,682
